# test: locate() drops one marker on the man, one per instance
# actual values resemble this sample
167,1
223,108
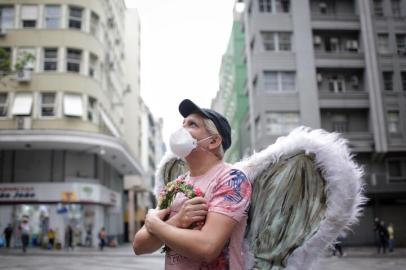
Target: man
217,244
8,232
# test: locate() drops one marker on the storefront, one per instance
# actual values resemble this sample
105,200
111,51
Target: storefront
86,207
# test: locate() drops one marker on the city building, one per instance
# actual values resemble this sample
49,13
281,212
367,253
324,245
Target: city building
232,93
339,65
64,146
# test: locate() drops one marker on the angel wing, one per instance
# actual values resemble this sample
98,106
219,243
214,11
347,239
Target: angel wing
306,189
169,168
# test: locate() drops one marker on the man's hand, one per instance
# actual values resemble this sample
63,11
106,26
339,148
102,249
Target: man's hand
155,216
192,211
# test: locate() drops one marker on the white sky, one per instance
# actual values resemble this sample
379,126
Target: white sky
182,42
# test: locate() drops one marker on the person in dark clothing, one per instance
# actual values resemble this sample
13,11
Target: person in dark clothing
69,237
102,238
8,232
383,237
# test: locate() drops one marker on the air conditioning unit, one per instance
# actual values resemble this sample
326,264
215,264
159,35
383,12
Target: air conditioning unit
24,122
319,77
24,75
109,60
317,40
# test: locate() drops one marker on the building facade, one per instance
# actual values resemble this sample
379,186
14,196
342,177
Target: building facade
64,148
232,93
340,66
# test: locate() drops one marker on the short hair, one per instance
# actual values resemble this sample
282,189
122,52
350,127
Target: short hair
211,128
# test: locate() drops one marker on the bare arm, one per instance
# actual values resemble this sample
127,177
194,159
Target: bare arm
204,245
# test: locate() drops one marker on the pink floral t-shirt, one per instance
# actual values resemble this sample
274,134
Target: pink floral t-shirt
227,191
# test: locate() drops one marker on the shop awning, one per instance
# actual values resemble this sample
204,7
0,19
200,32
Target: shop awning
22,104
73,105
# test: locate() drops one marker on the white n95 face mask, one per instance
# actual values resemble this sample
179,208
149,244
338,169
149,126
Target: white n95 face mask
182,142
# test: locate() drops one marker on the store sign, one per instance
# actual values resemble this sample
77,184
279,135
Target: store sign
17,193
68,197
60,192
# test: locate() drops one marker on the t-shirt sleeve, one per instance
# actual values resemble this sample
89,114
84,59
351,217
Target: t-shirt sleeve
232,195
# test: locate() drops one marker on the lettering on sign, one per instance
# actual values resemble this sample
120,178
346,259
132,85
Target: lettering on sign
17,193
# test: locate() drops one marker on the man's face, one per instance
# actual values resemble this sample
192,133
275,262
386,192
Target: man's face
195,125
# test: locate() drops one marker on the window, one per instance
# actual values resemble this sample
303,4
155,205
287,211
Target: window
23,53
22,104
268,39
387,80
73,61
5,59
340,123
396,169
282,6
29,15
52,16
73,105
278,123
336,83
393,121
92,110
383,43
94,24
3,104
403,77
277,41
6,17
75,18
265,6
401,44
378,8
93,63
285,41
48,104
396,8
50,59
274,6
279,81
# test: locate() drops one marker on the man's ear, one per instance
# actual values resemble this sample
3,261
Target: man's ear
215,142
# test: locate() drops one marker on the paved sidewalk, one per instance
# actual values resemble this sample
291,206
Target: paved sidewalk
123,258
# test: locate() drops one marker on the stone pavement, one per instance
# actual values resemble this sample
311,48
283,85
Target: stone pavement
122,258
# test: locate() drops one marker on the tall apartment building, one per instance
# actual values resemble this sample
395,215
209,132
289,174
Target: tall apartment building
139,190
339,65
64,148
232,91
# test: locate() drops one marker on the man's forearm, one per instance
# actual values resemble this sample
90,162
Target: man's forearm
189,243
145,243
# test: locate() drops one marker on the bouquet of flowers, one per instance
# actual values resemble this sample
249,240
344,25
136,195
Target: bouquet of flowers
168,193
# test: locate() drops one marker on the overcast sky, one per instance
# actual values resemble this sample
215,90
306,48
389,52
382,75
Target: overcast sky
182,42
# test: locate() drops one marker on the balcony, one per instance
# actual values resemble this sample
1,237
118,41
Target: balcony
334,14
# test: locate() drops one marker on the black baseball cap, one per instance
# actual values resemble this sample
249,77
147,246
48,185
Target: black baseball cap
187,107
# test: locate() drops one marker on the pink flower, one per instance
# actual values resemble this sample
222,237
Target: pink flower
180,180
198,192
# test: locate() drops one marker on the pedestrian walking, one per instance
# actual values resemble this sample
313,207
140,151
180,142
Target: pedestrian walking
51,238
88,239
69,237
8,232
383,237
25,233
391,237
338,244
102,238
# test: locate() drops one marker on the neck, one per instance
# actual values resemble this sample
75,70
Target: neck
199,163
